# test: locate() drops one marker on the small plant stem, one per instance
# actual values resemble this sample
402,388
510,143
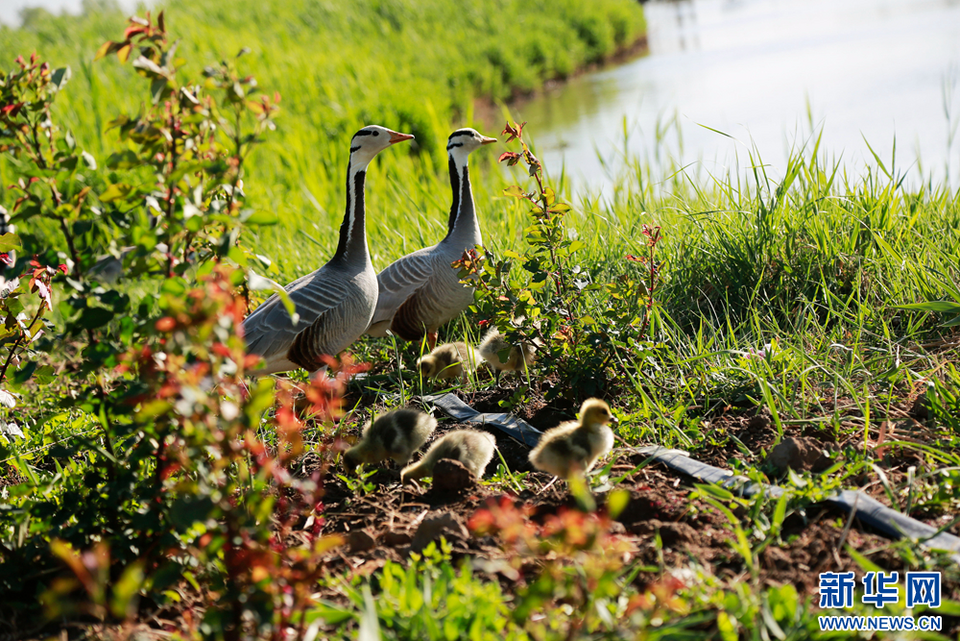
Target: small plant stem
171,200
16,344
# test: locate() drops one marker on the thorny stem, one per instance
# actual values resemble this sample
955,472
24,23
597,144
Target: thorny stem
16,344
654,238
171,200
238,144
36,143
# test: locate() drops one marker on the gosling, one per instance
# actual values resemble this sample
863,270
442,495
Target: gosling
472,448
396,435
450,360
574,446
494,344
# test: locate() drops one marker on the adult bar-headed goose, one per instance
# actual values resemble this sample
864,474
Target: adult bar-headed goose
336,302
396,435
421,291
574,446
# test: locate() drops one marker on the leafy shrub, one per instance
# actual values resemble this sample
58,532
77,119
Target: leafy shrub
168,481
551,301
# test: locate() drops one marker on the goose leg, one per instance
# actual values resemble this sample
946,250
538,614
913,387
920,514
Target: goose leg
432,340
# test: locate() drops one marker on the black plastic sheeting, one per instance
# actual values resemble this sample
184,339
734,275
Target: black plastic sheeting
858,504
516,428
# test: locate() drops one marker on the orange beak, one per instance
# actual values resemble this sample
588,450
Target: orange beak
397,137
487,141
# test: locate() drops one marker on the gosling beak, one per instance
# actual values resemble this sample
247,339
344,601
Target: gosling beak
487,141
398,137
615,420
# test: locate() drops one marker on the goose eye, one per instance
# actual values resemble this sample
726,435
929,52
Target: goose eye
376,133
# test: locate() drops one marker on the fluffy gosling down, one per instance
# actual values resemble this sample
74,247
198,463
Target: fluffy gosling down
450,360
494,344
396,435
574,446
472,448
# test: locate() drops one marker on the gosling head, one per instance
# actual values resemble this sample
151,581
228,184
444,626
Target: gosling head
464,141
595,413
370,141
350,460
428,366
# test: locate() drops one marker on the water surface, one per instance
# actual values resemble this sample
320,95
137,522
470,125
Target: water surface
761,71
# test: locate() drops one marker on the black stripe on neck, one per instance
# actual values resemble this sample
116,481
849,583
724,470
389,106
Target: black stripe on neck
455,188
357,207
465,196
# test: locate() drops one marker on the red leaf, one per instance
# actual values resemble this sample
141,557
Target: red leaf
133,30
11,110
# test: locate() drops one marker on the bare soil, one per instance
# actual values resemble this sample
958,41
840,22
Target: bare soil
384,524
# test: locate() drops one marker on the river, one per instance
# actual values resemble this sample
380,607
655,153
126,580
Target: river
765,73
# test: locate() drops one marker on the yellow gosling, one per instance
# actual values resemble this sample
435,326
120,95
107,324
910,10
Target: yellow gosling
494,348
574,446
396,435
450,360
472,448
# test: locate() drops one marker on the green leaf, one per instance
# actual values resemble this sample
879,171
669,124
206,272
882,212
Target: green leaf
94,317
260,217
106,49
125,590
256,282
116,192
514,191
942,306
123,160
59,78
953,322
158,88
617,500
9,242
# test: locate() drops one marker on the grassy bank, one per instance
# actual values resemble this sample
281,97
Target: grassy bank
409,65
778,312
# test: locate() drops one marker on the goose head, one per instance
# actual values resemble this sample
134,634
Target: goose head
464,141
595,413
370,141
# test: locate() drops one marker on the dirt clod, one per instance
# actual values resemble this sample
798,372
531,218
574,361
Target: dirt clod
452,476
798,454
675,535
395,539
447,524
360,541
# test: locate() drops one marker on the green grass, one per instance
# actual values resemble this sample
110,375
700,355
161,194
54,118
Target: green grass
811,268
412,65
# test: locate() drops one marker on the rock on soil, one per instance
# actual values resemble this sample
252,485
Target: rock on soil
395,539
359,541
674,535
447,524
452,476
798,454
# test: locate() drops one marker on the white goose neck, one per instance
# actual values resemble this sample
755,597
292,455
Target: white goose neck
463,224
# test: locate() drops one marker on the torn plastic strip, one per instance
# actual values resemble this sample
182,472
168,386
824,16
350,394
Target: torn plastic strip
862,506
516,428
858,504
